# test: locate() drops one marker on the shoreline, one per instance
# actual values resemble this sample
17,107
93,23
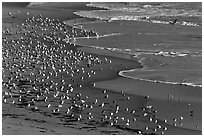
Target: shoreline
94,97
125,71
152,52
156,81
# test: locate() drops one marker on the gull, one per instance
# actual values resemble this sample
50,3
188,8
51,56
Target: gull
102,105
104,91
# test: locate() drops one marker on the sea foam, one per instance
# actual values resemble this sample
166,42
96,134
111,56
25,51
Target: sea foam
157,81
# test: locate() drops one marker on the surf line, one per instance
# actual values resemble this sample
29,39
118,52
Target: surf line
98,36
155,81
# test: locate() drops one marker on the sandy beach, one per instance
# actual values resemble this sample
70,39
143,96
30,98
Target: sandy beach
52,86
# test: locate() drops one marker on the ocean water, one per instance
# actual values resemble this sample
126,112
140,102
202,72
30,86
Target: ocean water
185,13
165,37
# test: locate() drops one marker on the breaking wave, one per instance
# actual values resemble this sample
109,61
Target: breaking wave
35,3
163,13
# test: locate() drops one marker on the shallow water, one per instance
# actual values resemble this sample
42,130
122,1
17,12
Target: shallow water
158,52
168,52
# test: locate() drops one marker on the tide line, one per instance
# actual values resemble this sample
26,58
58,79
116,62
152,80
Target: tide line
155,81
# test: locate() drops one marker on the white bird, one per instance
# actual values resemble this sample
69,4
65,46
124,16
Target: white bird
49,105
102,105
104,91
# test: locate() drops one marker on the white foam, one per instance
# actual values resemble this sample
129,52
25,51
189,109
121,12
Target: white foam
97,6
95,37
36,3
156,81
90,14
134,52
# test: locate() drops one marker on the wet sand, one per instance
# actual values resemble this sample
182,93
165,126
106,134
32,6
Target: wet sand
168,95
38,100
157,48
171,101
